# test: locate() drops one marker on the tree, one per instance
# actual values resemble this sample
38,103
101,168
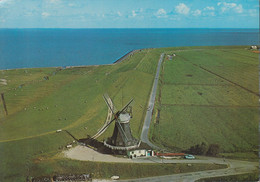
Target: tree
203,148
213,149
199,149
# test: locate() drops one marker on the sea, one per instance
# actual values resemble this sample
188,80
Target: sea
30,48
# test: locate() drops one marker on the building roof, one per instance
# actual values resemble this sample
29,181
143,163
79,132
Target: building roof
124,117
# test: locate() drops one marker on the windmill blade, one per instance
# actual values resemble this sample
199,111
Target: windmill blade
125,106
109,103
102,130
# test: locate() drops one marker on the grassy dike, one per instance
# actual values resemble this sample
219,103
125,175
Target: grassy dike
71,99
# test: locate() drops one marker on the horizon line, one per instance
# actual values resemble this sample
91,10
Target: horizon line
124,28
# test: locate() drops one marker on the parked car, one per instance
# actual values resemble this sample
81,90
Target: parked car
189,157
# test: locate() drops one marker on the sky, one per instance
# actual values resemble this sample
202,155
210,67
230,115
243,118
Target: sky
129,13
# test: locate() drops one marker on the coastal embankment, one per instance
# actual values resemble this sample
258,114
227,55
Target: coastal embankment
126,56
130,53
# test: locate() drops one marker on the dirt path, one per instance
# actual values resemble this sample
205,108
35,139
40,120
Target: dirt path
27,137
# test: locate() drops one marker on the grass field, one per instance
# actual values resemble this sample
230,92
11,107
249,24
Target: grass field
208,95
106,170
71,99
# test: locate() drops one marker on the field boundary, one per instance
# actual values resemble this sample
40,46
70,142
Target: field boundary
238,54
205,69
195,105
194,84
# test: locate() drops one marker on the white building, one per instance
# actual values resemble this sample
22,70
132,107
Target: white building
139,153
254,47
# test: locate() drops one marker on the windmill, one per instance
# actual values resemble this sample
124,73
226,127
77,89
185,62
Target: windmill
122,138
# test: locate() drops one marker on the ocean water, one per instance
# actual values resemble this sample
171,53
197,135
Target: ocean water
28,48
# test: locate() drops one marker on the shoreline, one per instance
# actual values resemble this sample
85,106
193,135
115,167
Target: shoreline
119,60
122,58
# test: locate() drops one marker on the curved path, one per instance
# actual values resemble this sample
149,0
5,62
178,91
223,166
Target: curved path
148,117
235,168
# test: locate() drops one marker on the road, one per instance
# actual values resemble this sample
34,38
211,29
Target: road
148,117
235,167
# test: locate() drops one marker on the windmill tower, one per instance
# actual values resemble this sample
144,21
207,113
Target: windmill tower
122,138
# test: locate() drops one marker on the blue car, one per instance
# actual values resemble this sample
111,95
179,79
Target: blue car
189,157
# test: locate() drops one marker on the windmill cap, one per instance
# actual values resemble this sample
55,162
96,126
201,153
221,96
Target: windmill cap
124,117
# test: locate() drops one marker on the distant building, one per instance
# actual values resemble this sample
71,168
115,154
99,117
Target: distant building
169,57
57,131
253,47
140,153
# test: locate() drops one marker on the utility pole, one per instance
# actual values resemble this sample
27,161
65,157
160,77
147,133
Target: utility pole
3,99
122,98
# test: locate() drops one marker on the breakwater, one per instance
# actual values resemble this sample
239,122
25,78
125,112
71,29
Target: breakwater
126,56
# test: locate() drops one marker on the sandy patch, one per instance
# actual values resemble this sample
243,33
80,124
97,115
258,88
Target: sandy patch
3,81
87,154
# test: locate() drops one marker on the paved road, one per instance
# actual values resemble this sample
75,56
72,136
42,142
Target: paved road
148,117
235,167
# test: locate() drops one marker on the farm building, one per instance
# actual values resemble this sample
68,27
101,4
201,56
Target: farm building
140,153
170,56
254,47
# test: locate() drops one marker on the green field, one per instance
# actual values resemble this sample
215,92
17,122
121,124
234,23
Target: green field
106,170
208,95
193,109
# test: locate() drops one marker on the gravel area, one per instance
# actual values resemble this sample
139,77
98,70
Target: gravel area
87,154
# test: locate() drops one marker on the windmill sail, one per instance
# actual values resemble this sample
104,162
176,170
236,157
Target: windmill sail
102,130
110,115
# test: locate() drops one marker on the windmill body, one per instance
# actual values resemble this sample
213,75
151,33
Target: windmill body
122,135
122,138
